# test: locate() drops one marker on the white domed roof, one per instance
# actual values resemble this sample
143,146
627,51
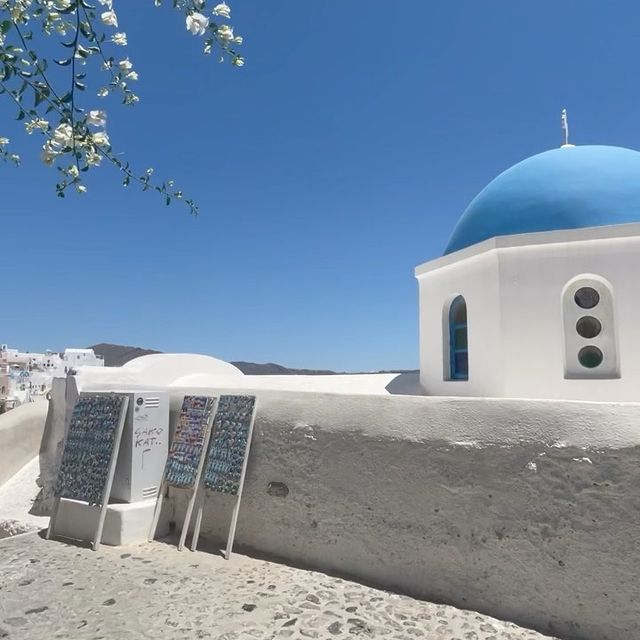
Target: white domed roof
166,368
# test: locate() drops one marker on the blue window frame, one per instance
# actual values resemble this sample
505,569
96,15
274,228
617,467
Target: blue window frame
458,342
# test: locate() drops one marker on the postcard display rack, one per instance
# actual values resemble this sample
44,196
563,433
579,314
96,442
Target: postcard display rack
90,453
185,459
225,436
227,456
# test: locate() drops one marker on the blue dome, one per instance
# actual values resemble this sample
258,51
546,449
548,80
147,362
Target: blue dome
566,188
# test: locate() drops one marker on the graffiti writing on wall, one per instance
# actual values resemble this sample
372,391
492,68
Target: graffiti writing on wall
144,436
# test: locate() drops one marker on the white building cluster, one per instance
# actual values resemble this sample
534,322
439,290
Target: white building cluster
25,377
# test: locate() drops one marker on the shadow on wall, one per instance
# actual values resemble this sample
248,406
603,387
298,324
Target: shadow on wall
406,384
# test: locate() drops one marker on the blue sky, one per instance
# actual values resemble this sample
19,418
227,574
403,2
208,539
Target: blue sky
326,169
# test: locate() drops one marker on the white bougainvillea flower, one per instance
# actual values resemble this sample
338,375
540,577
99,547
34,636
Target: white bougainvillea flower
101,139
49,154
119,39
197,23
225,33
4,142
97,118
63,135
92,157
125,65
36,123
109,18
223,10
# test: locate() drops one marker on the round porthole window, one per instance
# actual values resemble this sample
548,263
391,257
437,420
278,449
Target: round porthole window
588,326
586,297
590,357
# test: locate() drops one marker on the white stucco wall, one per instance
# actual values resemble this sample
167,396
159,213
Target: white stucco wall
516,328
177,371
477,280
525,510
365,383
21,430
531,282
181,370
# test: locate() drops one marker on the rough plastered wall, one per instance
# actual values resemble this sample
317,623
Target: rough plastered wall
525,510
20,434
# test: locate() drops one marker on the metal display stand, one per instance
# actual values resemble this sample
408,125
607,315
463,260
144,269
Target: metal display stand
106,492
217,426
206,427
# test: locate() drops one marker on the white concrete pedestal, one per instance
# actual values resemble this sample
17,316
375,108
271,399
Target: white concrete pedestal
127,523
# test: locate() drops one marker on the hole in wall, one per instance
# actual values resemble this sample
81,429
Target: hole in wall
588,326
278,489
586,297
590,357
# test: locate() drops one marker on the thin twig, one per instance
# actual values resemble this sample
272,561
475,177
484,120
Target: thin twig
38,69
73,84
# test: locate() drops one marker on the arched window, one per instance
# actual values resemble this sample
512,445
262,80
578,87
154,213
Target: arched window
458,343
591,349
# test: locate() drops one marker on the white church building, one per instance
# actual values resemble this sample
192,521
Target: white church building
538,292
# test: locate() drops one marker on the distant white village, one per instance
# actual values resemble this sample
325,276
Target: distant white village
26,377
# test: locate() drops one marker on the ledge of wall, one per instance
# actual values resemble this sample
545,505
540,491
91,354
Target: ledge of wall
20,434
524,510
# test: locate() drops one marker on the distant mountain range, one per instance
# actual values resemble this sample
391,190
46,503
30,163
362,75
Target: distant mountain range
272,369
115,355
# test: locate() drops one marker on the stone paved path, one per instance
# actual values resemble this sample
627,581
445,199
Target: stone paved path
59,590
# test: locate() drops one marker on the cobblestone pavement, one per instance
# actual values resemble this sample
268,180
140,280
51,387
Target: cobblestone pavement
53,589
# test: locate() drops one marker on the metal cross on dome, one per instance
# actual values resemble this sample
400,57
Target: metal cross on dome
565,127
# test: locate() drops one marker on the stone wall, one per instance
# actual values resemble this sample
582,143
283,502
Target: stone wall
525,510
20,434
